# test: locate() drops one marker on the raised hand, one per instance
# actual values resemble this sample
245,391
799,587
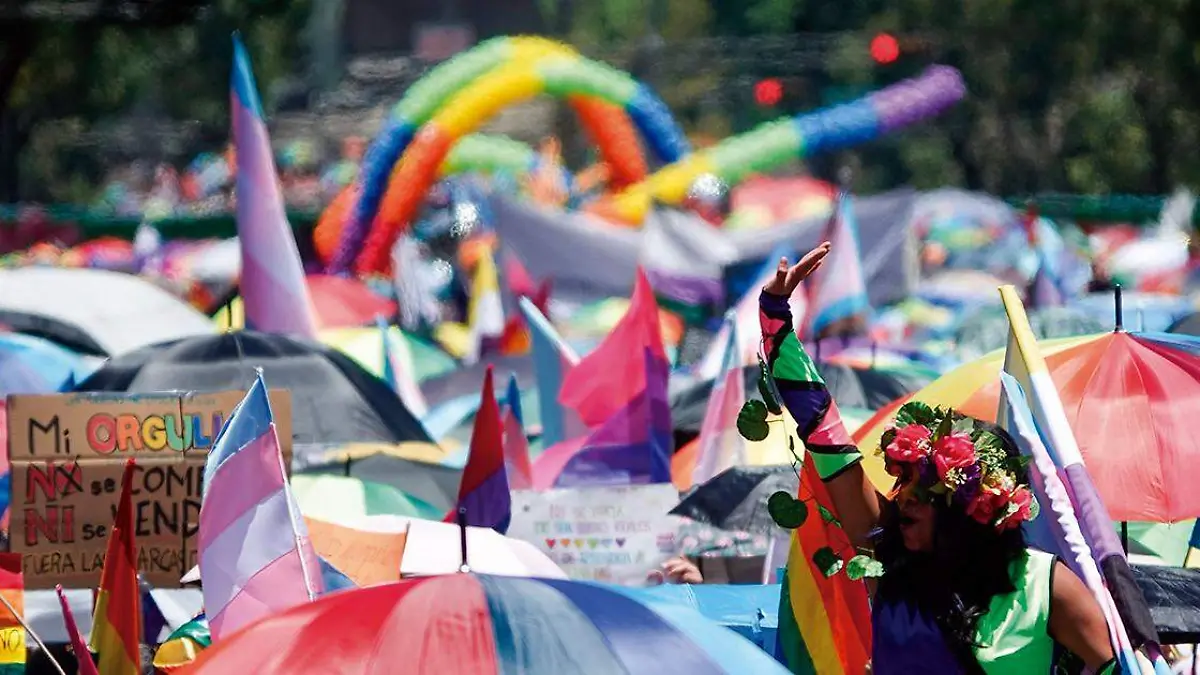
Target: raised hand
786,278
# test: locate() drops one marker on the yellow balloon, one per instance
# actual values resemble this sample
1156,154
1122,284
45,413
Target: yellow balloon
486,97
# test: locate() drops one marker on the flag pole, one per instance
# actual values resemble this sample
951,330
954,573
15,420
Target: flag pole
28,629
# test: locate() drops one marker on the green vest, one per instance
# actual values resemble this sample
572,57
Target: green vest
1014,634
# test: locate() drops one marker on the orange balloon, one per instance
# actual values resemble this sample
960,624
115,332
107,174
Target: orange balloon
613,133
328,231
405,193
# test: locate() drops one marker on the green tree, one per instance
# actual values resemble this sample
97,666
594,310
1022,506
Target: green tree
67,76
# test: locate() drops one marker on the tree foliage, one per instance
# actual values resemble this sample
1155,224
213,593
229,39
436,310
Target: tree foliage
1090,96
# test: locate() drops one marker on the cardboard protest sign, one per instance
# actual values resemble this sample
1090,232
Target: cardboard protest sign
68,452
611,534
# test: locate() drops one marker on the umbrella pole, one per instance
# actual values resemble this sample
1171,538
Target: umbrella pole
462,539
1125,537
1117,304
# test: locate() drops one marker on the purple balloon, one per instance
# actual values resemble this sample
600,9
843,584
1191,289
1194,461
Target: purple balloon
910,101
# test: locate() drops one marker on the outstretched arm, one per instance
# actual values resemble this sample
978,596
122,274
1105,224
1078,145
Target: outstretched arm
803,393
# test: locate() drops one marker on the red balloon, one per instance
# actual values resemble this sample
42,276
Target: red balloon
884,49
768,92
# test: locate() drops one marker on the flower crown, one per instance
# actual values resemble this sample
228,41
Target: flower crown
960,460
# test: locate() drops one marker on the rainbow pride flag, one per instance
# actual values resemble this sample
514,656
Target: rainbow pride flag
117,616
12,635
824,621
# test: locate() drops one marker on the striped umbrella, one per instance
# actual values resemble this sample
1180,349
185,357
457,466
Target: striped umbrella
1131,400
475,624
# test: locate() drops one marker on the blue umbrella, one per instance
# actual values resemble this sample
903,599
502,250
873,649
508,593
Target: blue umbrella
31,365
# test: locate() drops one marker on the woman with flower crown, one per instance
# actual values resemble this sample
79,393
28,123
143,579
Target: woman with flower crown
961,592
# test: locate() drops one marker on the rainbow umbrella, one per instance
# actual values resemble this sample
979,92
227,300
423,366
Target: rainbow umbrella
1132,400
467,624
342,499
365,345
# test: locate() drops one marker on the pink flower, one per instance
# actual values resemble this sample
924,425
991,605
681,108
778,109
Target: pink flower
910,444
986,505
953,451
1023,499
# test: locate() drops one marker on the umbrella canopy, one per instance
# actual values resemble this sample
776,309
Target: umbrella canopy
865,388
736,498
339,302
32,365
472,624
961,288
1174,598
1188,325
1131,399
987,329
1149,312
95,311
365,345
466,381
431,483
331,497
333,399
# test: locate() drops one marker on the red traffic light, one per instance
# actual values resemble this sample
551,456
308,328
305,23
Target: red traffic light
768,92
884,49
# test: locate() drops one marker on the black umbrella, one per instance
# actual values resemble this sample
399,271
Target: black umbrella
867,388
334,400
736,498
466,381
1173,595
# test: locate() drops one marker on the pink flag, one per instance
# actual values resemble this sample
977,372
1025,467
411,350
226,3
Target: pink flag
273,288
82,654
720,444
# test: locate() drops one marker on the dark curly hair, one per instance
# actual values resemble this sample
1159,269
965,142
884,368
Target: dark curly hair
955,582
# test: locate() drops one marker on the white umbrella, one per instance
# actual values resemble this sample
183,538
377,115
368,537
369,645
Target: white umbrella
95,311
435,548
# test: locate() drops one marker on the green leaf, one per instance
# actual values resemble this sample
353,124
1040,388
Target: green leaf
944,428
827,561
828,516
768,394
752,421
787,511
965,425
989,450
914,412
863,566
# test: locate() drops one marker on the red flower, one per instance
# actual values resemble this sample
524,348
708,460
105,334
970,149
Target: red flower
953,451
910,444
987,504
1023,499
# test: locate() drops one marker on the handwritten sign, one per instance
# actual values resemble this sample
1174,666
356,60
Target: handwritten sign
68,453
611,534
367,558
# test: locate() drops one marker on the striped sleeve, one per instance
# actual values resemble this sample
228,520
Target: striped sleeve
803,392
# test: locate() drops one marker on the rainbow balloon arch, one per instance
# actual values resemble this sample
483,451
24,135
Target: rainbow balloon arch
429,134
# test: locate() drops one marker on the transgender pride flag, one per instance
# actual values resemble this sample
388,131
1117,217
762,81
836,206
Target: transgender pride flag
721,446
255,556
274,292
552,360
838,289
